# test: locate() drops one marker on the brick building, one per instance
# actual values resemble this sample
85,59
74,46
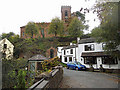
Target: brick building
43,30
43,27
65,13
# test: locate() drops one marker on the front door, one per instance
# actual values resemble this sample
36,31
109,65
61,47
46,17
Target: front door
99,62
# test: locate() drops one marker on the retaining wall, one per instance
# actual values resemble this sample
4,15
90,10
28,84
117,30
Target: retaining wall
50,80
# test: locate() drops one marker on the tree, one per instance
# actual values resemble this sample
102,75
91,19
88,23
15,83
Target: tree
56,27
75,27
31,29
81,17
108,30
7,35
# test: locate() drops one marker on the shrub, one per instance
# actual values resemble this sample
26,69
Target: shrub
48,64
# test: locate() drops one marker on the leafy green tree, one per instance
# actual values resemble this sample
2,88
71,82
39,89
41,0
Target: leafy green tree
12,37
108,30
7,35
21,79
31,29
81,17
75,27
56,27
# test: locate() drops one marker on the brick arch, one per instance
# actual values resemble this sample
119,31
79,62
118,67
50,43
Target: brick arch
48,52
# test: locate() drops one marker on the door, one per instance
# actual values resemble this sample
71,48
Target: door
32,66
99,62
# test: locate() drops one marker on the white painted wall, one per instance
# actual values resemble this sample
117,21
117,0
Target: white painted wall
98,47
68,54
9,50
59,51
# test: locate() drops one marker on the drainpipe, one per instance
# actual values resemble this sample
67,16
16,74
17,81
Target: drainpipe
75,54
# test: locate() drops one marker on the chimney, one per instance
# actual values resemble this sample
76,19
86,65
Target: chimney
78,39
71,43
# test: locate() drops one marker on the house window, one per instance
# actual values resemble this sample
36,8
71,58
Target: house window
90,60
64,52
60,57
71,51
39,66
4,55
32,66
23,34
103,46
66,13
89,47
5,46
70,59
42,32
109,60
65,59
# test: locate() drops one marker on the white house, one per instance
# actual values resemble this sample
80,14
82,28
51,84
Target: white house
91,52
59,52
6,48
88,52
69,53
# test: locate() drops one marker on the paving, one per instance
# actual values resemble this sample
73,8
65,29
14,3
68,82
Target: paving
86,79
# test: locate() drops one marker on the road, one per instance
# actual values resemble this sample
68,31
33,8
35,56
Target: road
86,79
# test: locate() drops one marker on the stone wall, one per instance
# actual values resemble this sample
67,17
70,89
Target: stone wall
50,80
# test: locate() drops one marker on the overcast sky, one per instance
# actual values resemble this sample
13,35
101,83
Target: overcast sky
17,13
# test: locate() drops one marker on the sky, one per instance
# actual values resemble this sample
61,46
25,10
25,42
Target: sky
17,13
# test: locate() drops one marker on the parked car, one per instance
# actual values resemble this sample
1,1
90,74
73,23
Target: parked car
76,66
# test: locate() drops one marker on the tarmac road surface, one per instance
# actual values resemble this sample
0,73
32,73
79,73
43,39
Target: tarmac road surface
86,79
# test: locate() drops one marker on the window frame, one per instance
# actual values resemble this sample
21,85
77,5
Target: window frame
70,59
64,52
65,59
71,51
90,47
5,46
92,61
109,60
103,45
23,34
66,13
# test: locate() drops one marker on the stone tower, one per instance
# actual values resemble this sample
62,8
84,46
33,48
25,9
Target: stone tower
65,13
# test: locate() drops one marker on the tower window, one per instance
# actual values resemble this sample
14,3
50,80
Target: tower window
66,13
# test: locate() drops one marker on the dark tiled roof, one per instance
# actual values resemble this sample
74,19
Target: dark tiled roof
87,40
68,47
38,57
85,54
